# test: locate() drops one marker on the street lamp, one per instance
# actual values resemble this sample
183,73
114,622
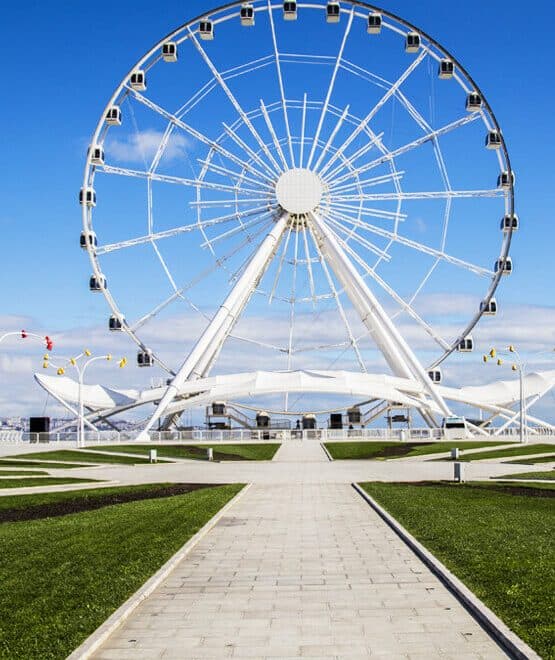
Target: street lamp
520,366
81,369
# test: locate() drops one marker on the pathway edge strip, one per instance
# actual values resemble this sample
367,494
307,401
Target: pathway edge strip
103,632
503,635
326,452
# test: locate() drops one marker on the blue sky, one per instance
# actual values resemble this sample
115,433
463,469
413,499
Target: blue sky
72,55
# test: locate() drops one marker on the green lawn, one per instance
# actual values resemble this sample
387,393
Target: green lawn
497,538
519,450
42,481
16,473
533,461
62,577
547,476
6,462
238,452
81,457
386,450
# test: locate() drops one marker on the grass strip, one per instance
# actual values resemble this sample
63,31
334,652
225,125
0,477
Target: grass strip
228,452
546,476
533,461
43,481
519,450
16,473
498,539
62,577
7,462
83,457
386,450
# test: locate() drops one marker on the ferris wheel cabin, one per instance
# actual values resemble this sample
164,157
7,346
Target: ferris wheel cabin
290,11
88,240
374,24
505,265
435,376
412,42
446,69
247,15
137,81
333,12
206,30
493,140
473,102
169,51
97,284
87,197
509,223
505,181
145,359
466,345
96,154
115,323
489,308
113,116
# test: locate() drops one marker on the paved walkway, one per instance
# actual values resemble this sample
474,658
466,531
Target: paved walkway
300,570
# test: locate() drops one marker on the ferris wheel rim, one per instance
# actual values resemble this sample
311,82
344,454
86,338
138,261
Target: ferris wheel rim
270,8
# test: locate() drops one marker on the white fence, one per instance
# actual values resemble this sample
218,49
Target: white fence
265,435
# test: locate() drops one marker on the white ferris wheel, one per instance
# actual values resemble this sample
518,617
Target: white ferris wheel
317,185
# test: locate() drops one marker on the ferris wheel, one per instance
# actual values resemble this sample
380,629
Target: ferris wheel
320,182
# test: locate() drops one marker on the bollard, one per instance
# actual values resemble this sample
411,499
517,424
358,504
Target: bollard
210,453
455,453
403,435
152,455
459,472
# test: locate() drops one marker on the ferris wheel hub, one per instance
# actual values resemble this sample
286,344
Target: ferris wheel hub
299,191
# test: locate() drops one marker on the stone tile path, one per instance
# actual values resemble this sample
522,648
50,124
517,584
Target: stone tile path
300,570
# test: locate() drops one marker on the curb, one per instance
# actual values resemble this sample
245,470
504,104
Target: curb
101,634
326,452
499,631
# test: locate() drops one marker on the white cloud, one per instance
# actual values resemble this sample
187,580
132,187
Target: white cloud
144,145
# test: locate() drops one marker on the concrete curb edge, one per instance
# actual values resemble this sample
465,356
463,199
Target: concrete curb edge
326,452
101,634
503,635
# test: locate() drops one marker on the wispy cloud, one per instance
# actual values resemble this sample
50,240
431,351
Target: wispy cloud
142,146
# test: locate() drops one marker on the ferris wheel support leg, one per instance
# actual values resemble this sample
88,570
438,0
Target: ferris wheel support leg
207,348
396,351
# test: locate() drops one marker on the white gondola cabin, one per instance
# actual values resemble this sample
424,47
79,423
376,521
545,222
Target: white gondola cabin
206,30
466,345
290,11
333,12
145,359
509,223
489,308
169,51
247,15
218,408
262,420
374,23
505,265
96,154
113,116
309,421
97,283
115,323
137,81
493,140
446,69
473,102
87,240
412,42
87,197
505,181
435,376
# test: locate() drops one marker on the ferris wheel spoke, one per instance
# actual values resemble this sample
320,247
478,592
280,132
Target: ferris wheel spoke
441,194
193,132
292,307
303,130
348,163
236,176
280,265
308,260
230,202
234,102
165,178
367,183
155,236
478,270
368,212
366,121
331,87
332,137
352,341
271,129
350,233
394,295
414,144
280,82
236,230
243,145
